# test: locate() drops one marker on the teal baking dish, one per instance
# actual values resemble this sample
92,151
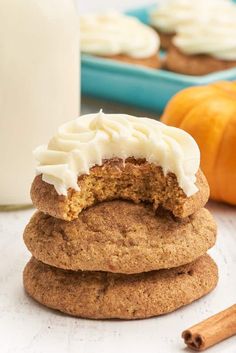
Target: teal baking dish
135,85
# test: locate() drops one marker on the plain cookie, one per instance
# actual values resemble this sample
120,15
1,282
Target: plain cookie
120,236
101,295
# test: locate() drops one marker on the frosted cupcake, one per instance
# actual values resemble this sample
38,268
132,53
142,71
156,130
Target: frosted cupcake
119,37
205,45
171,14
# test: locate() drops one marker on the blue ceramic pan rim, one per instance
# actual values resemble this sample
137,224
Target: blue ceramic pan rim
110,65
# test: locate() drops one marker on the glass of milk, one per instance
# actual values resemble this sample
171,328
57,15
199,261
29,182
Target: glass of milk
39,85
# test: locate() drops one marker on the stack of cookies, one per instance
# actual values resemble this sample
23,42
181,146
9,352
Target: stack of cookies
120,230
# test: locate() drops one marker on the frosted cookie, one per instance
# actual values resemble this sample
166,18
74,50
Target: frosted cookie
205,45
169,15
100,157
101,295
119,37
120,237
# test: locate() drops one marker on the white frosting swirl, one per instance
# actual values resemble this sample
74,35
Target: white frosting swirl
172,13
215,36
85,142
113,34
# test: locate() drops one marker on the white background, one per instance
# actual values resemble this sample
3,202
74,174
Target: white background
97,5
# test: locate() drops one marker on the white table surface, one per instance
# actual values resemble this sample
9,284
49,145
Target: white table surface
27,327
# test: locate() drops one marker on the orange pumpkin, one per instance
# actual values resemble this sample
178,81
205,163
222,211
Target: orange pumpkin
208,113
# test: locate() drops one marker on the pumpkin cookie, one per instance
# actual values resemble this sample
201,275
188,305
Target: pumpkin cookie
135,180
120,237
119,37
171,15
101,295
196,51
167,16
198,64
101,157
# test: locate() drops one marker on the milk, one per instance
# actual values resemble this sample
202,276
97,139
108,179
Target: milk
39,85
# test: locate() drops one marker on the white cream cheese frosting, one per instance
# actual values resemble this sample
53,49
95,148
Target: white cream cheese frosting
214,36
113,33
170,14
90,139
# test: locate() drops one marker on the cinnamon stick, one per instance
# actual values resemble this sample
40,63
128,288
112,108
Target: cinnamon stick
212,330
